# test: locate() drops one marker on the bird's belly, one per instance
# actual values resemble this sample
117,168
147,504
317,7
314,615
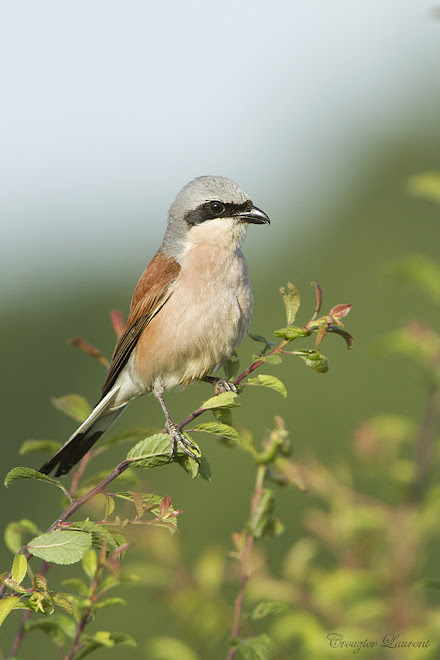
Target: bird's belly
194,333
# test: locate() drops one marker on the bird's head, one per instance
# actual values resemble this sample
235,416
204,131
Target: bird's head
210,209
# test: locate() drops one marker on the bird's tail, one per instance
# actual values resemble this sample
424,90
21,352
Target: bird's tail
101,417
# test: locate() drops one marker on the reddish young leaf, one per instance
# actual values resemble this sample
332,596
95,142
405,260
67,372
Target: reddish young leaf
117,322
95,353
318,298
339,311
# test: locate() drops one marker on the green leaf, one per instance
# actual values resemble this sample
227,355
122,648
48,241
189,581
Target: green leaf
29,473
259,338
61,547
58,627
12,584
49,446
62,601
270,359
292,333
19,568
255,648
292,301
223,400
100,534
134,434
231,368
268,609
108,602
90,563
73,405
77,584
104,639
6,606
14,532
169,648
39,583
313,359
224,430
261,520
223,415
204,469
153,452
269,381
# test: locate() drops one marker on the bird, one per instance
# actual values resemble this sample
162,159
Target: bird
191,308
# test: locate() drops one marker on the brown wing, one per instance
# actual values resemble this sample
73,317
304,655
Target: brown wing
152,291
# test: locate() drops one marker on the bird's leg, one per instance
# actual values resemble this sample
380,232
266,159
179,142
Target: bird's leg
174,432
221,384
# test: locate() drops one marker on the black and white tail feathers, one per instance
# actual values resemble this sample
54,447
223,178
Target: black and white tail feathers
85,436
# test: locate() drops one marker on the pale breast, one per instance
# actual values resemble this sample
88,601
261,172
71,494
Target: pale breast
207,315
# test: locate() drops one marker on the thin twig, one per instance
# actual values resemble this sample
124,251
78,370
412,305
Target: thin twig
425,443
246,569
87,613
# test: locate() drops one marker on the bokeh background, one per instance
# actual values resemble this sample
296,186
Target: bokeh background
321,110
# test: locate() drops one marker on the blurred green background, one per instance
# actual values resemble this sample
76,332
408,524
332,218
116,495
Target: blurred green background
321,113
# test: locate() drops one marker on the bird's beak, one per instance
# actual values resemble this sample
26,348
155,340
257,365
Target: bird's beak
255,216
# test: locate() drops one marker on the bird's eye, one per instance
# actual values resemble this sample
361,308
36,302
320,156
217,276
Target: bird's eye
216,207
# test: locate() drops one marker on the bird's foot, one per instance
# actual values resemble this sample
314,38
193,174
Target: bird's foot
177,437
221,385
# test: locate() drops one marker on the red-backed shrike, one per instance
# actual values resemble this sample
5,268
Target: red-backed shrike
191,307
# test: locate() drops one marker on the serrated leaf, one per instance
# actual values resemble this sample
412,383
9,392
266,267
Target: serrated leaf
270,608
48,446
29,473
314,360
292,333
153,452
14,532
223,400
6,606
269,381
73,405
100,534
62,601
39,582
90,563
217,428
269,359
256,648
19,568
292,301
104,639
108,602
223,415
150,501
12,584
61,547
57,628
77,584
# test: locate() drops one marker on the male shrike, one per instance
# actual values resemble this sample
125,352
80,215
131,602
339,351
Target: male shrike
191,307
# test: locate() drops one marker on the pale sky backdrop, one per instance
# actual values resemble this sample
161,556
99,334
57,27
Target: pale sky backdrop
108,108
